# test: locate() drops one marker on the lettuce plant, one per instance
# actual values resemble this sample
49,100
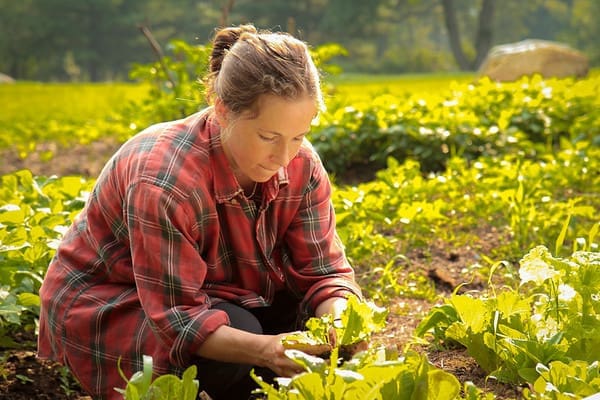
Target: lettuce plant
141,386
376,373
514,335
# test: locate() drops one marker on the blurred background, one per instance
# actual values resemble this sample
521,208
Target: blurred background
99,40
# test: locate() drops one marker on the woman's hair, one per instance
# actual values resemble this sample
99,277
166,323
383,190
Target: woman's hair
246,63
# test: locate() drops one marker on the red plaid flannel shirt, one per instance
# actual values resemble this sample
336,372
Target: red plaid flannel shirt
165,233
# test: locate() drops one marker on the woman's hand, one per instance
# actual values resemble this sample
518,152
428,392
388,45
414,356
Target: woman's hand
228,344
272,355
335,306
347,351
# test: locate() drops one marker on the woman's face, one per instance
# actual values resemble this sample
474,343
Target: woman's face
257,147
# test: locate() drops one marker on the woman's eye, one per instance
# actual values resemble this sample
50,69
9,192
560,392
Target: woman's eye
269,139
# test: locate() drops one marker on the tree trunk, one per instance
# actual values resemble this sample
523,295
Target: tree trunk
485,32
225,11
454,35
483,37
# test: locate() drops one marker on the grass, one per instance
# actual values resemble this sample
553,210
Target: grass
27,102
34,101
33,105
360,86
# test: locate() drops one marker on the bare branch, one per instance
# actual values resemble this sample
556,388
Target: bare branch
225,11
157,51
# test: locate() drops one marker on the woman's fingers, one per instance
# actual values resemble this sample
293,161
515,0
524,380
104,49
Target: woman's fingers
286,367
317,350
356,347
333,337
279,362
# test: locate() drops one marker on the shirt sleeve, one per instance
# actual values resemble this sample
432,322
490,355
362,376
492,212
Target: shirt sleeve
320,267
169,271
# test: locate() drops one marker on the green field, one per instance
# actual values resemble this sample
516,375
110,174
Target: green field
31,102
361,86
65,113
28,102
481,181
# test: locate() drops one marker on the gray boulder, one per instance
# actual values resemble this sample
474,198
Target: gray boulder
509,62
6,79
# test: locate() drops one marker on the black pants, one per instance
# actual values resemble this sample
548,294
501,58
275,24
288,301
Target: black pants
230,381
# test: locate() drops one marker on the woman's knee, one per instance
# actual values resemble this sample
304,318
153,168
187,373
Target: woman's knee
222,379
240,318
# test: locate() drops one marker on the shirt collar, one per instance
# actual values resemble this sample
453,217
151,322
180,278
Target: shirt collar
225,184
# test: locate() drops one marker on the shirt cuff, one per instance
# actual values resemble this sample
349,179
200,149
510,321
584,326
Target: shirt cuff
194,334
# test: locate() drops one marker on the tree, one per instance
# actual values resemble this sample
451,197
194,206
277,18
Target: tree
584,28
483,37
23,38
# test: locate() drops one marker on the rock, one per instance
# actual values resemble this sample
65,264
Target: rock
509,62
6,79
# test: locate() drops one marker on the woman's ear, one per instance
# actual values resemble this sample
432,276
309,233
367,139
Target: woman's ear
222,113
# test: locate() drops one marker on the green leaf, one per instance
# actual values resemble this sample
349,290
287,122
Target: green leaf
472,312
349,376
311,386
190,384
165,387
71,186
512,304
306,340
146,376
16,239
560,240
380,381
270,391
442,385
440,316
593,233
132,393
11,214
309,362
29,299
360,320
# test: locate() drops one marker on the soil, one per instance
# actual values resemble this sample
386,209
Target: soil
24,377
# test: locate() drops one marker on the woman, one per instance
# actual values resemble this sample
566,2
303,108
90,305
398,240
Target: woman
207,239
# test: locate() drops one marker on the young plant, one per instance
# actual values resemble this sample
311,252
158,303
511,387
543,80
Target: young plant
554,316
356,324
577,379
166,387
372,374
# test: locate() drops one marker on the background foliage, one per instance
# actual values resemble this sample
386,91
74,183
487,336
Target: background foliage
99,40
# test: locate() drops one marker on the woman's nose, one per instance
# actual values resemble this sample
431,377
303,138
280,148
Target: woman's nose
280,155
